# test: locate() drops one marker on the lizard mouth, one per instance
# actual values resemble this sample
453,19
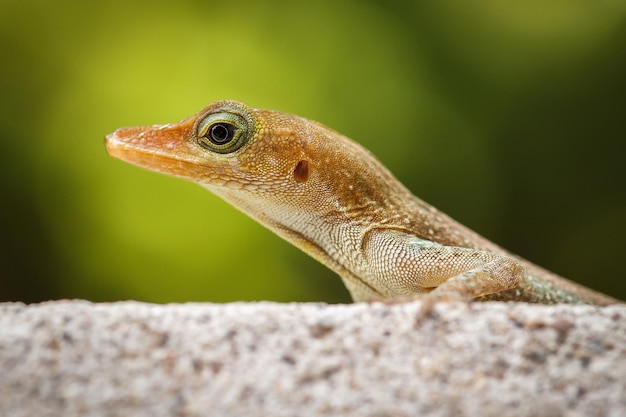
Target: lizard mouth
160,148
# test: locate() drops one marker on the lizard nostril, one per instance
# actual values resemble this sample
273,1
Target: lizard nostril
301,172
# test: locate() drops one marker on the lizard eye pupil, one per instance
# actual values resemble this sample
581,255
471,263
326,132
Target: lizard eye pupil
221,133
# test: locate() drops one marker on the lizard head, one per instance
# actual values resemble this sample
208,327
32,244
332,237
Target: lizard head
254,157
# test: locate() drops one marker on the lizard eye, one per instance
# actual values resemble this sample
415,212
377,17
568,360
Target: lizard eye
223,132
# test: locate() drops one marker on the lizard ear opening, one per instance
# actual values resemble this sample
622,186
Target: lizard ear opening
301,172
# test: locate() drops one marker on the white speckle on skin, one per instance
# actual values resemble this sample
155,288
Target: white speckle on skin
422,243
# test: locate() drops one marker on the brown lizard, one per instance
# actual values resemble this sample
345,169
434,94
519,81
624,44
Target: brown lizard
333,199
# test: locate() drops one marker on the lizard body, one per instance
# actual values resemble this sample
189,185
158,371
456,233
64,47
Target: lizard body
334,200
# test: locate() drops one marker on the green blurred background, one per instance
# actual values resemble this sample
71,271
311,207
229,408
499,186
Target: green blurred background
509,116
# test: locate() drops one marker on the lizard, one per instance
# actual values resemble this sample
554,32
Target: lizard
330,197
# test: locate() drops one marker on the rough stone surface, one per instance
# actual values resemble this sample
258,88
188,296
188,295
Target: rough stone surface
75,358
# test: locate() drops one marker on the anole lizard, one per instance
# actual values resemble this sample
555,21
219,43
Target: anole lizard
331,198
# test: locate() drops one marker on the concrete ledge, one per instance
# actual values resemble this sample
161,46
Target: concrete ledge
75,358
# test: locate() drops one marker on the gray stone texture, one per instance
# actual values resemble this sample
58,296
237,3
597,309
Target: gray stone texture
75,358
